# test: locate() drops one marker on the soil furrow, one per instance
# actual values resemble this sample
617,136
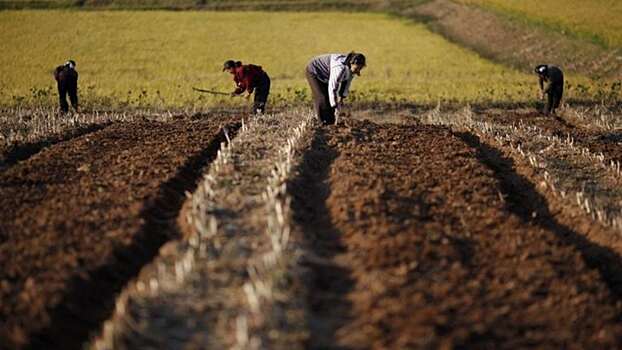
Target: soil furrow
440,259
87,215
327,281
581,163
600,246
209,290
609,143
22,151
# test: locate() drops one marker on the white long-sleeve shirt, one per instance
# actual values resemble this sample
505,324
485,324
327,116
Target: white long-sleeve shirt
332,69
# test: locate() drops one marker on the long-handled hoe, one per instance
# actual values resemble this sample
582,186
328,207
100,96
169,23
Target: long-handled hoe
211,91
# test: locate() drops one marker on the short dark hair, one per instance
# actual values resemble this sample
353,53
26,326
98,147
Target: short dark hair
541,69
231,64
358,58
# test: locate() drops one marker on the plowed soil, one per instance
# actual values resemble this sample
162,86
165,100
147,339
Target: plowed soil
416,237
425,242
607,143
81,217
21,151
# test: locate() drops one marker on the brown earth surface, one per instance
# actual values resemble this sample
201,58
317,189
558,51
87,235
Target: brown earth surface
81,217
428,239
417,236
600,246
609,143
14,153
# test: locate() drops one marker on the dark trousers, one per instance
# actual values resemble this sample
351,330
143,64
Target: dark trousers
262,90
65,89
321,102
554,98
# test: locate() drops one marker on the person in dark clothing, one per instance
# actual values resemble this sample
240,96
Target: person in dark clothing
551,80
67,83
330,77
249,77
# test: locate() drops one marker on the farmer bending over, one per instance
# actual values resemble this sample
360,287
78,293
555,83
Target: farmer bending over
552,85
250,77
67,82
329,77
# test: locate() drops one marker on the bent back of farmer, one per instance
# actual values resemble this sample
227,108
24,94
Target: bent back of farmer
67,83
551,81
249,78
330,77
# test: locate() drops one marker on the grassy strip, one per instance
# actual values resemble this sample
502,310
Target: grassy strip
596,21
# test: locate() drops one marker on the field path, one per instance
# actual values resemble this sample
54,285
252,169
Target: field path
81,217
515,43
429,251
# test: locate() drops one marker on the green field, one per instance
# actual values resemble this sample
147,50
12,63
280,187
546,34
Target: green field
153,58
595,20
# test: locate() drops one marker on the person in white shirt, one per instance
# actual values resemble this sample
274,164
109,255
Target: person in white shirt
329,77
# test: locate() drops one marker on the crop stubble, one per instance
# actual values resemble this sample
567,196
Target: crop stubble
415,236
227,284
84,216
425,251
595,139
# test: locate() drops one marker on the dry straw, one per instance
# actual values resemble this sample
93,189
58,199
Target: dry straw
596,191
223,229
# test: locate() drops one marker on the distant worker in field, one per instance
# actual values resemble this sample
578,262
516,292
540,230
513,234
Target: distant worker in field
329,77
67,82
551,80
249,77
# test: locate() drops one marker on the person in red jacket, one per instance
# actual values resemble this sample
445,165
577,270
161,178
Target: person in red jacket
249,77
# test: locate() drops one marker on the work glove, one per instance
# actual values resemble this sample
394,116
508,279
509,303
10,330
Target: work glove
337,115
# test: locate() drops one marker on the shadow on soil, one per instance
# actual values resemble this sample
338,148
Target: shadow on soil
89,302
18,153
523,200
563,122
327,283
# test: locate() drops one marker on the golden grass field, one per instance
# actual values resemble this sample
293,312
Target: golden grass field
153,58
597,20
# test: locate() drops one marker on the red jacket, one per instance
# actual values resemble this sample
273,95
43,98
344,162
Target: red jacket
247,77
